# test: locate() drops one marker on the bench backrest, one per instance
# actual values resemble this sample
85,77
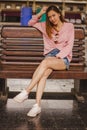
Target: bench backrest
22,48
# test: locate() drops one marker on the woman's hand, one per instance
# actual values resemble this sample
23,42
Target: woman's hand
43,10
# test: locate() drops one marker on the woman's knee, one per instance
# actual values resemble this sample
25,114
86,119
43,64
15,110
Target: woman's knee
44,63
47,73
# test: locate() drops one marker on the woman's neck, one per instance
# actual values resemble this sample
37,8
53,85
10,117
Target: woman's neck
58,26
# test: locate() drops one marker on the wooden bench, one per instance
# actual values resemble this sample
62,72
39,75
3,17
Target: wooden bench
22,51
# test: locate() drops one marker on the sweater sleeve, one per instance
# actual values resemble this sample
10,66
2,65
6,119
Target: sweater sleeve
34,22
68,48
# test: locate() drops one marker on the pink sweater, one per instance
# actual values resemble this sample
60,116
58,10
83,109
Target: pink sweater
65,38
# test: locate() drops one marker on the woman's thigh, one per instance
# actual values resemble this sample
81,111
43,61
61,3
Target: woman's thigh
55,63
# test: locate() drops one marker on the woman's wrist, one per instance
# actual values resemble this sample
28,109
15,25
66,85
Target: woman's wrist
39,14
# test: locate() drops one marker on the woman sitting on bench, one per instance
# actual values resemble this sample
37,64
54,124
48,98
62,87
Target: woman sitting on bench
58,36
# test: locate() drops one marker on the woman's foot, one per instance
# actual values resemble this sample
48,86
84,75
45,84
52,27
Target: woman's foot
34,111
21,96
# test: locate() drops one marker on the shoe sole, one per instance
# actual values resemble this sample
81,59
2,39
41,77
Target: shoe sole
35,114
18,101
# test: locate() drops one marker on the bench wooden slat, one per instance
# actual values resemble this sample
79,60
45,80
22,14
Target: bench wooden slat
20,32
38,43
20,47
14,58
80,48
55,75
77,60
21,53
17,32
24,65
23,40
34,58
13,42
26,47
79,43
27,53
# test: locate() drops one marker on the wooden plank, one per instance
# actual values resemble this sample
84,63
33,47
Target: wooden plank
28,66
79,59
28,53
22,47
16,58
23,41
22,53
20,32
55,75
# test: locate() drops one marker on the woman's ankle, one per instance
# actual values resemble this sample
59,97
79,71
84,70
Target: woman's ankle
28,91
38,103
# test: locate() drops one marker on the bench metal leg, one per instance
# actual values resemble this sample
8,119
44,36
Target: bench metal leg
83,86
77,92
3,90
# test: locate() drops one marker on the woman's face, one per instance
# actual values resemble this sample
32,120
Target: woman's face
54,17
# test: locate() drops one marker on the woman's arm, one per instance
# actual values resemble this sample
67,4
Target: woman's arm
35,18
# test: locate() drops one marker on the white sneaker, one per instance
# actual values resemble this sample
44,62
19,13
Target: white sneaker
21,96
34,111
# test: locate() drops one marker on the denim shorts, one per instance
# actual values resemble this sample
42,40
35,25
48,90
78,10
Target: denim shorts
56,51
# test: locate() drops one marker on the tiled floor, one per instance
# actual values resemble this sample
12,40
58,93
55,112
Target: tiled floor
61,85
55,115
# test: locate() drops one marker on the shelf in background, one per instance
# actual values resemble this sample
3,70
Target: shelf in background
59,1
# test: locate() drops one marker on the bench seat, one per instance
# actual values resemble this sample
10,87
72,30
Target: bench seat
82,74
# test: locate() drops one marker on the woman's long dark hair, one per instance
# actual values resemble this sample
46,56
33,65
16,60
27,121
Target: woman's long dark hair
49,25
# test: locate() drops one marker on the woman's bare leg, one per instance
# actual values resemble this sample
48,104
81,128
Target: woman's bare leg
47,63
41,85
36,109
35,79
